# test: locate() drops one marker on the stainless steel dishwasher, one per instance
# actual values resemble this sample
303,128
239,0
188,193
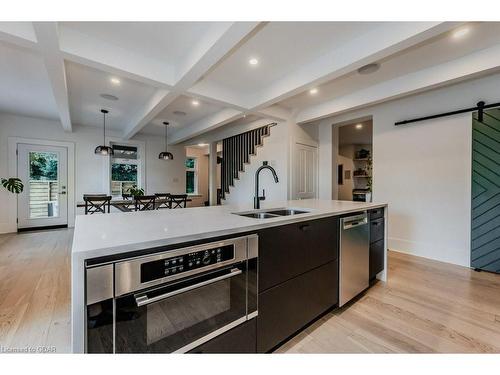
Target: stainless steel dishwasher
354,256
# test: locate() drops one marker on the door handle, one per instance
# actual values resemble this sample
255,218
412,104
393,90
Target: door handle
142,300
305,227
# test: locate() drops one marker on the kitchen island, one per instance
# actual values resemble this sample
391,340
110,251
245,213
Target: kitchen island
108,239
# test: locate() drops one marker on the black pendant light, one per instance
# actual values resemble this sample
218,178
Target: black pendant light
104,150
165,155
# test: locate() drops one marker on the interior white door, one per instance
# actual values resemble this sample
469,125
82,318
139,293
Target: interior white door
305,171
44,172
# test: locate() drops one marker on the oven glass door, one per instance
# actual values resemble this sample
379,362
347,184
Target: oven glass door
169,318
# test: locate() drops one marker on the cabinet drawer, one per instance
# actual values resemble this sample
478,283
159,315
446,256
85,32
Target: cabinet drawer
286,308
241,339
377,230
290,250
376,213
376,258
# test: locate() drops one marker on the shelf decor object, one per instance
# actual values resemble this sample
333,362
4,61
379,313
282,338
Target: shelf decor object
103,149
165,155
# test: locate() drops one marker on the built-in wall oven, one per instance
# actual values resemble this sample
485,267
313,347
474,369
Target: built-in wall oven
172,301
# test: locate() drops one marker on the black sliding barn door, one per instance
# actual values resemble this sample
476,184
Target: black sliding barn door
485,226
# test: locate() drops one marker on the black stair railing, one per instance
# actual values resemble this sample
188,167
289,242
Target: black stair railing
236,152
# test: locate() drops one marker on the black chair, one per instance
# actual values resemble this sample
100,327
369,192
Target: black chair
127,206
145,202
165,200
178,200
95,203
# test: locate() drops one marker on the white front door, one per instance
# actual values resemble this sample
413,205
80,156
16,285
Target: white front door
305,171
44,172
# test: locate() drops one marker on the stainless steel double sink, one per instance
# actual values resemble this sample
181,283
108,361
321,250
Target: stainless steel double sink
270,213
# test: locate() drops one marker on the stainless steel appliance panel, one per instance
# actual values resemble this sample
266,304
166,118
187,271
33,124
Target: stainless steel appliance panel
354,256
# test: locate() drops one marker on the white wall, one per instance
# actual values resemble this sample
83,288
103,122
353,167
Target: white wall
90,168
423,170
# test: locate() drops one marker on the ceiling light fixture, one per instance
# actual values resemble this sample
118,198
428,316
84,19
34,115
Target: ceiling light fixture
253,61
108,97
202,144
461,32
313,91
359,126
195,102
369,68
115,81
103,149
165,155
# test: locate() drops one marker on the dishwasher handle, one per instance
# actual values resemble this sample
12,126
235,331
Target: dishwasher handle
354,221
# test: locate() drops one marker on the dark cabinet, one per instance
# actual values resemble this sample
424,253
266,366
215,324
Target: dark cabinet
376,258
376,230
290,250
241,339
286,308
377,240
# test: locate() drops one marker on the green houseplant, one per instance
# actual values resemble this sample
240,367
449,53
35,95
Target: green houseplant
13,184
135,191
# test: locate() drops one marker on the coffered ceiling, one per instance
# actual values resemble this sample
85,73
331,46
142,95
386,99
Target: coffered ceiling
200,76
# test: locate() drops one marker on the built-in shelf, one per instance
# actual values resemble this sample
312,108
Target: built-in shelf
361,176
363,159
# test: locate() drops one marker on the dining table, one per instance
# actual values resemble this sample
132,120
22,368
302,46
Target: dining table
128,205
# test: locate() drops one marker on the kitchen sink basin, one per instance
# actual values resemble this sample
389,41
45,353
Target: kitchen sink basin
258,215
286,212
270,213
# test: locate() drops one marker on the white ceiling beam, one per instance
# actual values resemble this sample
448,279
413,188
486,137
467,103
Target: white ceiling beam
378,44
473,65
204,125
274,112
48,41
18,33
210,51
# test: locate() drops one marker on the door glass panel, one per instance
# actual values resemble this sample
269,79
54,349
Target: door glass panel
43,184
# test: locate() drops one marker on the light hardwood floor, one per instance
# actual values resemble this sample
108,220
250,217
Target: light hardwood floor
426,306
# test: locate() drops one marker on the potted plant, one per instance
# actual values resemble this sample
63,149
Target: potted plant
369,181
13,184
135,191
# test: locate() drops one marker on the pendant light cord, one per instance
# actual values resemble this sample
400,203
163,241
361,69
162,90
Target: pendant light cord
104,134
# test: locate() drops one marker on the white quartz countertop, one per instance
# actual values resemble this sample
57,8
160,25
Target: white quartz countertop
101,235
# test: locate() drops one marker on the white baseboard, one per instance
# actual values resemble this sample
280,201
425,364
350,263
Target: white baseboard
459,257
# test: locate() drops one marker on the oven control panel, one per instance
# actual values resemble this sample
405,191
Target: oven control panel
159,269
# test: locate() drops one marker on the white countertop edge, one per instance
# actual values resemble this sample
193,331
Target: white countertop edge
259,224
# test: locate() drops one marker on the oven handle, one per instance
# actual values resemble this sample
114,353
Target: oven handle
142,300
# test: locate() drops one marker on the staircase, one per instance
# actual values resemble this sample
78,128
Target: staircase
236,151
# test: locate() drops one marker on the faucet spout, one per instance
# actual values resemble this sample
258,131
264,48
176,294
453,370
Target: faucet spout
257,198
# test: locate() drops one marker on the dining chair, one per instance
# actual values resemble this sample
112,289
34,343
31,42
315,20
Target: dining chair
163,200
145,202
96,203
178,200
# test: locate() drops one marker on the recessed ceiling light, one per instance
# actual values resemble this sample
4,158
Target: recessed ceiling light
368,69
359,126
108,97
202,144
253,61
179,113
313,91
461,32
195,102
115,81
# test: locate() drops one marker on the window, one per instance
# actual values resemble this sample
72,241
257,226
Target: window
191,176
125,167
